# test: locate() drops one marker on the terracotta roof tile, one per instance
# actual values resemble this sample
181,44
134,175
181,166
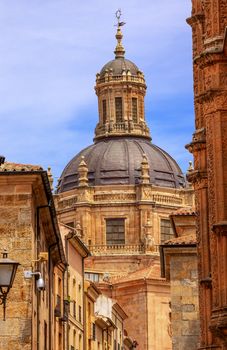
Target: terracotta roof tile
19,167
184,211
151,272
182,240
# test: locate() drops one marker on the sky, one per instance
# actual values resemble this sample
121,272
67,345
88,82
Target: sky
50,52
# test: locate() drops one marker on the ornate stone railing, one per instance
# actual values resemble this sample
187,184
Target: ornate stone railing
159,198
130,78
114,197
122,128
116,249
67,202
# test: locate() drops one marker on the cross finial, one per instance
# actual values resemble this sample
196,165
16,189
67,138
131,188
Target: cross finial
118,16
119,50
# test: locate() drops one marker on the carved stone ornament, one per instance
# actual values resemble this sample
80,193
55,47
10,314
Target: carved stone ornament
83,171
146,193
220,228
218,327
197,177
206,282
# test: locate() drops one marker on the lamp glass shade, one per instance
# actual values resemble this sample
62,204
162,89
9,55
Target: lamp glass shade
8,270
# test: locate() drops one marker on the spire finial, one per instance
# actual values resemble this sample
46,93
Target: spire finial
119,50
83,171
145,176
50,177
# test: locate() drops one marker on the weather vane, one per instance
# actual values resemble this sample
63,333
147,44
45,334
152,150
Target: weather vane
118,16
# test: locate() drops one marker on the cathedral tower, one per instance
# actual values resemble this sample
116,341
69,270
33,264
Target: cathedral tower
209,147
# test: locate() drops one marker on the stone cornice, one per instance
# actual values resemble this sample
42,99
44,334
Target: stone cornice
135,195
196,18
197,176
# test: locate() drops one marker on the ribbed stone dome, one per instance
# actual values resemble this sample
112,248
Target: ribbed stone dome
118,65
118,161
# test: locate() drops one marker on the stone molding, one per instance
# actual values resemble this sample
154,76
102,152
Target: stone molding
141,193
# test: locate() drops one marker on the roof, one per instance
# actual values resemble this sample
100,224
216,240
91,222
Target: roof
151,272
7,166
70,233
184,211
182,240
118,65
118,161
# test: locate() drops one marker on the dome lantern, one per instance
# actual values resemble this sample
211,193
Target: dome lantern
121,88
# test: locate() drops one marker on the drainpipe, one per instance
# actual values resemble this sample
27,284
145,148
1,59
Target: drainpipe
37,254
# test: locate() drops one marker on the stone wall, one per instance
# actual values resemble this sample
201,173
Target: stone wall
184,302
28,310
15,236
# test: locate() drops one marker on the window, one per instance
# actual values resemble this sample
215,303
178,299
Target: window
74,339
59,340
104,111
80,314
118,109
115,231
94,277
45,335
93,331
166,230
134,110
74,309
80,341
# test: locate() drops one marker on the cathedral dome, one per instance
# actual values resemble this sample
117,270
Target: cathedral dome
118,161
119,65
122,137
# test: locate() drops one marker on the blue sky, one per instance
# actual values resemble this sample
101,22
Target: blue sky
50,52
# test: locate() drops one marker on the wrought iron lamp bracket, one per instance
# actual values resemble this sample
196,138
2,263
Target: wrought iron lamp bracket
3,297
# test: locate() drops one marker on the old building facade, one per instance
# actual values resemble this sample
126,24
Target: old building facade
30,233
209,147
180,267
120,192
74,313
104,321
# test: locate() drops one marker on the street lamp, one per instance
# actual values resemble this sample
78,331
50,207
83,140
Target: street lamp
8,270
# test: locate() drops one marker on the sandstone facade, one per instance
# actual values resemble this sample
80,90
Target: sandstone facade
28,227
208,22
179,266
74,319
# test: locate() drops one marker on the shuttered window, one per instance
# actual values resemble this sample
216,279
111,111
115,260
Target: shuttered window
134,110
166,230
118,109
115,231
104,111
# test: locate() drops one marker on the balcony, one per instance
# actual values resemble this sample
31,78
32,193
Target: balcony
117,249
